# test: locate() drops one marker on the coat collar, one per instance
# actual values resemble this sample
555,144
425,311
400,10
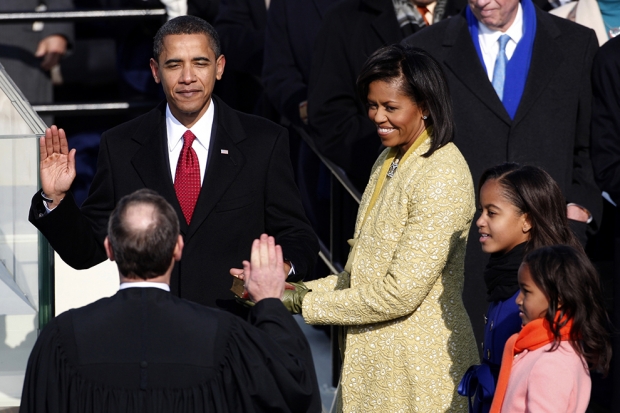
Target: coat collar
384,23
461,58
547,56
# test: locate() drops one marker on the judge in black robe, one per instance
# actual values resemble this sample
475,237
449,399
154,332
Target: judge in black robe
145,350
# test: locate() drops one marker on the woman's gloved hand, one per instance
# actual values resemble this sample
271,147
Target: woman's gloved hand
293,298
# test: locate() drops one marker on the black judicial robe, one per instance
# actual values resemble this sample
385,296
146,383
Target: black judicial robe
145,350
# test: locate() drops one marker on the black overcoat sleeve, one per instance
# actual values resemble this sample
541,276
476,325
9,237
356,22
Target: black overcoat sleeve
77,235
605,150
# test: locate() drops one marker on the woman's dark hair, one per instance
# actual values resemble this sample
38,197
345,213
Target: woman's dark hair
571,284
418,77
534,192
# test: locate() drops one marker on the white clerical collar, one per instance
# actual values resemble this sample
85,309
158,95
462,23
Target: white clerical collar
201,129
144,284
515,31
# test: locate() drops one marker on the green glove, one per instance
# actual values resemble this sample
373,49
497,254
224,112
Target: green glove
293,299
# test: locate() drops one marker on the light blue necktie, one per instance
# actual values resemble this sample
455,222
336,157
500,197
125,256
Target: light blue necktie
499,72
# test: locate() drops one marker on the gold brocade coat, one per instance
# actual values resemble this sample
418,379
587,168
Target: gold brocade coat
409,339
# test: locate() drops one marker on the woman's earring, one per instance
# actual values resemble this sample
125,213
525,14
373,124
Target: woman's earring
424,117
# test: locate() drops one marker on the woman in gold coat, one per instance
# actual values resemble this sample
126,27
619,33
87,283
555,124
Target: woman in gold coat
408,338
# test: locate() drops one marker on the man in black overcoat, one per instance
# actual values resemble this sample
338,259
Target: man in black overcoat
145,350
606,162
247,185
547,126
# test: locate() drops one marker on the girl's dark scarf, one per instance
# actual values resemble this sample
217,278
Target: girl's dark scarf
500,275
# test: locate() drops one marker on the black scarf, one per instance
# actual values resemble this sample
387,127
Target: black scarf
500,275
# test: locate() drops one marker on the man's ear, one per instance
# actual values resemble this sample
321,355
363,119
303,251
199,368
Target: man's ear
154,70
108,249
220,63
178,249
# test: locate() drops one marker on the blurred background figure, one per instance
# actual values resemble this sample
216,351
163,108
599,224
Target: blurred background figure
602,16
30,52
241,27
292,27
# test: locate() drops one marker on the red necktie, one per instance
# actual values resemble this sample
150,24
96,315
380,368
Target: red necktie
423,10
187,177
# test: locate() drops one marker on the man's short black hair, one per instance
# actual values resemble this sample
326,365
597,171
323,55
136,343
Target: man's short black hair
143,249
186,25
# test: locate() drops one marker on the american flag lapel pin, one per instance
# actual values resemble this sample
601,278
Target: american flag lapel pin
224,151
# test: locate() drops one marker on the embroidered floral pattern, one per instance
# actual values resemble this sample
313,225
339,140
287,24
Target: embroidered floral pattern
409,339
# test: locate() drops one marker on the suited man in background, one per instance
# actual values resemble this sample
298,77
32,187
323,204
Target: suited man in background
227,175
145,350
540,114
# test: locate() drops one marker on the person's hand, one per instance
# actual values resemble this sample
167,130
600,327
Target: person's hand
238,272
264,274
51,49
577,213
57,165
294,297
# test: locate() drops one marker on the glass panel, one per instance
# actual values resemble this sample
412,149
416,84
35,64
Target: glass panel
19,241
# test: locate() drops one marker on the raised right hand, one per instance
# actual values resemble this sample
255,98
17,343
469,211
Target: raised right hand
57,164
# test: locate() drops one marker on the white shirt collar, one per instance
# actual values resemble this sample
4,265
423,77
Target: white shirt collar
202,128
144,284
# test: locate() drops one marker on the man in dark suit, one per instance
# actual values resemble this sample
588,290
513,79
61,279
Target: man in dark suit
606,162
144,350
539,116
241,27
241,161
351,31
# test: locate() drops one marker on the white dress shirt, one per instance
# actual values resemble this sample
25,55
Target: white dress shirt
489,45
202,131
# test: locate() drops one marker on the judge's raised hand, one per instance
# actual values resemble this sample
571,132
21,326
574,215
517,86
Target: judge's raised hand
57,165
264,275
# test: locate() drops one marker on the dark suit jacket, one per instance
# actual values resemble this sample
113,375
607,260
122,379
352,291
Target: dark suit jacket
241,27
606,118
144,350
550,128
292,28
248,191
351,31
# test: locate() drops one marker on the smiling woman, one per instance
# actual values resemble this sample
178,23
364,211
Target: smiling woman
408,338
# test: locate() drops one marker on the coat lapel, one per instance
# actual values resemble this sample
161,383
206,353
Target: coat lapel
385,23
546,58
462,60
151,160
224,163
